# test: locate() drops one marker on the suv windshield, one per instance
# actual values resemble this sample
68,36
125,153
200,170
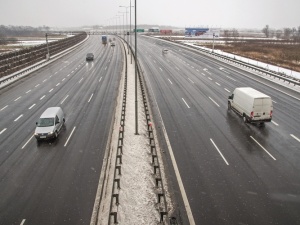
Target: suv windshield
45,122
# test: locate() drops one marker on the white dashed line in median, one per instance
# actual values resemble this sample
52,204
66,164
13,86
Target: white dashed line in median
17,98
90,98
64,99
4,107
263,148
69,136
18,118
295,137
185,103
2,131
31,106
27,143
219,151
214,101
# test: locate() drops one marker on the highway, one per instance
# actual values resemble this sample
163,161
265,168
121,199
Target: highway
232,172
56,182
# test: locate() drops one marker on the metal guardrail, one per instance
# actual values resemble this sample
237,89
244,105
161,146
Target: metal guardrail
36,65
248,65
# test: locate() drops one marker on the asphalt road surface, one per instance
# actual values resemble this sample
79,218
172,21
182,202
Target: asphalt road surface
232,172
56,182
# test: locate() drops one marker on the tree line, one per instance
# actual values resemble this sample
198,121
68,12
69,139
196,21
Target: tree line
285,33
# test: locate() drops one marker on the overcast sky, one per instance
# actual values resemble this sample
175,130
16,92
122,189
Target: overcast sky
186,13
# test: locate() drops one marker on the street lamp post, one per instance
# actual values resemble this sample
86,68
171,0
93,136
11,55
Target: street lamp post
48,55
136,67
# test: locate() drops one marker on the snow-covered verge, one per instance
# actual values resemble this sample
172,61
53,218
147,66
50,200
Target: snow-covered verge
138,193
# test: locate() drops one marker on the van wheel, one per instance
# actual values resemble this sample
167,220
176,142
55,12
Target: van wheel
229,106
245,119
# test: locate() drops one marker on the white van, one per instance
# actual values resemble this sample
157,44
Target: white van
252,105
49,124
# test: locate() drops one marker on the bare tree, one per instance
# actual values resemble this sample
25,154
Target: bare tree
278,34
287,33
266,31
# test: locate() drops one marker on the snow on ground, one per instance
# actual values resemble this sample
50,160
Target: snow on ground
253,62
138,191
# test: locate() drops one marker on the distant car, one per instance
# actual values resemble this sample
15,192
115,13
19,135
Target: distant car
165,51
112,44
90,56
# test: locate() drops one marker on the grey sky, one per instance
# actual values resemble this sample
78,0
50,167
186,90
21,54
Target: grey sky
212,13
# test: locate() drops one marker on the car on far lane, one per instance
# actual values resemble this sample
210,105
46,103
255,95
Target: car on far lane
89,56
112,44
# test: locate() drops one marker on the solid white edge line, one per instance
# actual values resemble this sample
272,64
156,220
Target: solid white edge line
177,173
275,123
214,101
27,142
185,103
69,137
2,131
219,151
90,97
23,221
263,148
295,137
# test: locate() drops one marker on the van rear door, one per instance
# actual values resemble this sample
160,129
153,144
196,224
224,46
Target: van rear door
262,108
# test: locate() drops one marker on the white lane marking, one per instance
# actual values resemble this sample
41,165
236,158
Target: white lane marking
64,99
154,61
226,90
63,79
80,80
295,137
221,68
231,78
193,67
28,91
90,98
100,79
72,71
27,142
185,103
23,221
50,76
18,98
274,101
42,97
51,90
18,118
68,75
170,81
2,131
191,80
58,84
214,101
37,85
177,68
219,151
203,74
31,106
4,107
274,123
105,68
160,69
76,68
226,72
197,70
209,78
263,148
55,73
44,80
69,137
218,84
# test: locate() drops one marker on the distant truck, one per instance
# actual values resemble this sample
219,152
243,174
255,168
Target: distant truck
104,39
252,105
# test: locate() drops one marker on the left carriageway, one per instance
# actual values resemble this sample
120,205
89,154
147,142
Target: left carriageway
56,182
